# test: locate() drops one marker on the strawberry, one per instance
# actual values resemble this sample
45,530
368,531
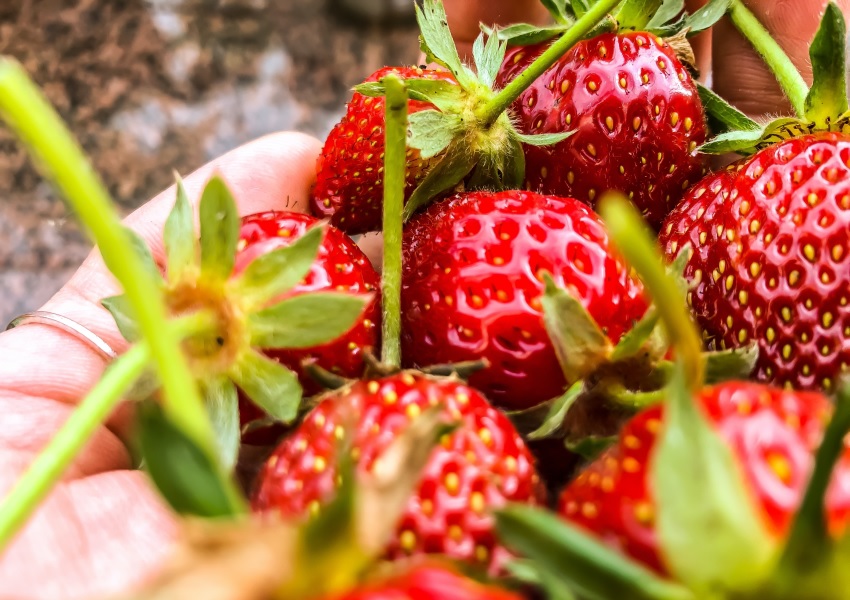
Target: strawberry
349,188
427,582
481,465
633,113
770,259
473,285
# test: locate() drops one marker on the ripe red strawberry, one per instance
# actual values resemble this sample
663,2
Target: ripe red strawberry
473,267
428,582
339,266
771,258
349,182
635,115
772,434
480,466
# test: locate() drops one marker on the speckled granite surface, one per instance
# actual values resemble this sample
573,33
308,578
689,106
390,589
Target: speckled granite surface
154,85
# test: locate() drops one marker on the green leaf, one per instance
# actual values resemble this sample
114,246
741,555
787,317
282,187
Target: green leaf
827,98
437,43
219,229
580,7
669,10
590,447
120,309
636,14
559,11
544,139
730,365
709,14
488,58
749,141
524,34
631,344
585,565
558,411
179,237
449,171
443,94
180,470
140,247
709,530
306,320
527,572
268,384
431,131
277,272
730,117
579,343
223,408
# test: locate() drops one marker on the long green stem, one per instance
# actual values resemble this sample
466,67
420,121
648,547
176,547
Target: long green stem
47,468
789,78
28,113
394,174
491,111
637,245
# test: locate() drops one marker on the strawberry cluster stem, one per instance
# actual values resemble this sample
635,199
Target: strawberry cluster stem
29,114
394,175
789,78
491,111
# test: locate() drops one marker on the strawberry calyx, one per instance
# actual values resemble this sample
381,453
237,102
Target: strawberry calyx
246,310
823,108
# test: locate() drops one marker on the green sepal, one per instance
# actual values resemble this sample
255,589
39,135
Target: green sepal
827,97
730,365
306,320
121,311
544,139
452,167
706,16
278,271
530,419
634,341
580,7
436,41
635,400
268,384
527,572
513,169
181,245
636,14
140,247
749,141
223,409
585,565
431,131
578,341
723,116
560,12
442,94
669,10
181,471
219,230
525,34
590,447
488,58
710,533
558,411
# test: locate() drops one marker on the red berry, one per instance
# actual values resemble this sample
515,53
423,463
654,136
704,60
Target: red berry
772,258
635,115
773,435
482,465
349,186
473,277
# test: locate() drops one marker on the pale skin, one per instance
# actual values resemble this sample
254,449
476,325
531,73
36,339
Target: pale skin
105,529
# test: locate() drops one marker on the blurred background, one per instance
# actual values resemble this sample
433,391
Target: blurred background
149,86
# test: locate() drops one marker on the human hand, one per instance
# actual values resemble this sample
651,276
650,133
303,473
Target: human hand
104,528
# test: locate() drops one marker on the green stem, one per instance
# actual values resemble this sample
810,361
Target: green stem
48,467
495,107
638,246
789,78
394,174
29,114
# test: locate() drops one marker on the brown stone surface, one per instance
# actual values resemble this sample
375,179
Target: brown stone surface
154,85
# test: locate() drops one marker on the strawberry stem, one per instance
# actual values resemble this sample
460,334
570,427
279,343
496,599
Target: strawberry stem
395,150
789,78
638,246
35,122
495,107
48,467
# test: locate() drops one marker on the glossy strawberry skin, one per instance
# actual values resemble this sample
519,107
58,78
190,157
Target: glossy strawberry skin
349,180
429,582
635,115
772,433
339,266
482,465
773,268
472,281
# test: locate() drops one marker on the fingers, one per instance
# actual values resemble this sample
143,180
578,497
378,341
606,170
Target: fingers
739,75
